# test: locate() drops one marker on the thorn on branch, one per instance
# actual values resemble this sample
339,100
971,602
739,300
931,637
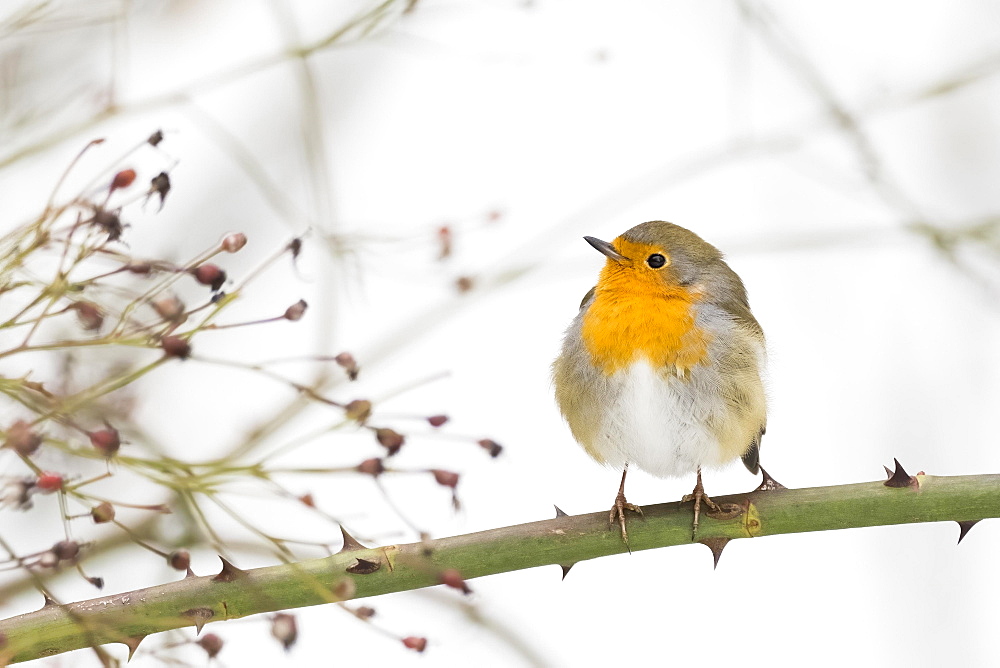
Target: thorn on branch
350,542
964,527
228,572
768,484
899,477
716,545
133,644
200,616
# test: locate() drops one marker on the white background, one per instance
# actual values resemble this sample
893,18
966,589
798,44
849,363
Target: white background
807,141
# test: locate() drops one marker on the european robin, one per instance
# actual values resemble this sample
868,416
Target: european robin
661,368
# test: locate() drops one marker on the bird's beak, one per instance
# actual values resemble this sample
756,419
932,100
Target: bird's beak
606,248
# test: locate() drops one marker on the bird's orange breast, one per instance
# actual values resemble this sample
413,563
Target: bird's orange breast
634,318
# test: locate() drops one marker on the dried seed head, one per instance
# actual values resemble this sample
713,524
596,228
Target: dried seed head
179,560
139,267
358,410
437,420
48,559
22,438
345,589
445,478
296,310
390,439
372,467
233,242
66,549
89,314
49,482
102,512
160,185
106,441
452,578
349,364
17,493
175,346
490,446
211,643
123,179
209,274
169,307
445,242
415,643
284,629
110,224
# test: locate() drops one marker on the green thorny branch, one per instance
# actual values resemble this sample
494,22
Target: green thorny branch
358,571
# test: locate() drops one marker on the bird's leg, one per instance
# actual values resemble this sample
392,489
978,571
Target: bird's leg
698,496
621,505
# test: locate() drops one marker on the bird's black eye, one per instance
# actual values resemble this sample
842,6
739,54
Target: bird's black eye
656,260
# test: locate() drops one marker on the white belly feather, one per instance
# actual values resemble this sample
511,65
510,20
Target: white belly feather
656,424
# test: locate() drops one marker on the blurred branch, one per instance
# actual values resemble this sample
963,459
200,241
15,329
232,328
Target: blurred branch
358,572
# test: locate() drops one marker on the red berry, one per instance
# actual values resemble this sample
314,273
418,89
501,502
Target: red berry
209,274
372,466
175,346
49,482
415,643
445,478
123,179
106,441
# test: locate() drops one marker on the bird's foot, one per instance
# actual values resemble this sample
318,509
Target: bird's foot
699,497
719,511
618,514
